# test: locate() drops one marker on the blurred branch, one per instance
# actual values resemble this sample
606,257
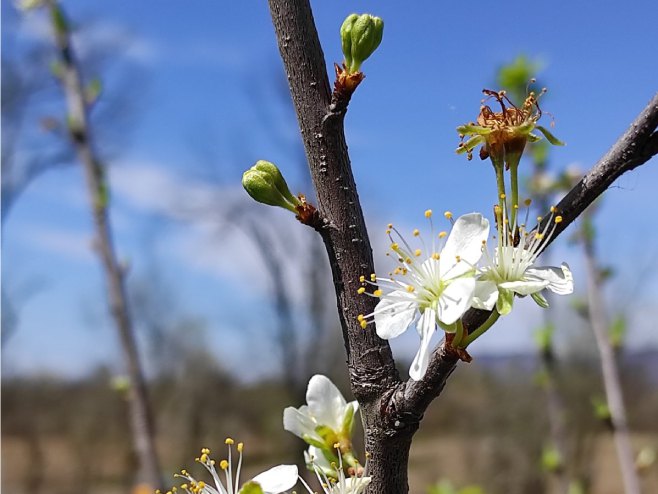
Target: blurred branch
609,368
81,137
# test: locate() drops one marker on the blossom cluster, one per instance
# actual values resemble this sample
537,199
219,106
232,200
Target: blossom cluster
326,417
434,284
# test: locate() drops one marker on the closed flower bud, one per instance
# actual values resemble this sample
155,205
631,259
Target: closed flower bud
265,184
360,36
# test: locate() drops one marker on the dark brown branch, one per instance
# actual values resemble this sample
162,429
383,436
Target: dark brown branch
369,358
80,132
634,148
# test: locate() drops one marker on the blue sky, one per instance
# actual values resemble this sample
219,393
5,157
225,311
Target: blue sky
205,82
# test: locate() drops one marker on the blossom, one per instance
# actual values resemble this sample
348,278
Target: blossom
276,480
331,476
436,290
510,270
326,419
503,135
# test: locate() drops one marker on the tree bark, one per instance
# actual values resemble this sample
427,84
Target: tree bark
81,137
391,409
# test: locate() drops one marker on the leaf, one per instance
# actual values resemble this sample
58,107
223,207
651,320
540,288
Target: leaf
549,137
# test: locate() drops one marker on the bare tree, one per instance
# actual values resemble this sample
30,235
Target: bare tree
392,409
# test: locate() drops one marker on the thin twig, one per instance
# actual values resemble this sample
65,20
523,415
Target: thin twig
81,138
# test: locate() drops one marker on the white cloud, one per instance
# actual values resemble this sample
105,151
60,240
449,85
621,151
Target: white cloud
72,245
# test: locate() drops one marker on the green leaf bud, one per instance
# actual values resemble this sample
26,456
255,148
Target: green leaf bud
360,36
264,183
346,38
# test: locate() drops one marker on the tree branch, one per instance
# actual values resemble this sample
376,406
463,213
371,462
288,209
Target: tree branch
80,133
634,148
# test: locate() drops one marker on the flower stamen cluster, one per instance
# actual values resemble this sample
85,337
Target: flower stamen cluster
429,286
276,480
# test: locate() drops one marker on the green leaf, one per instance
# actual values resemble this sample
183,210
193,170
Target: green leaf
549,137
93,91
470,144
468,129
58,19
617,332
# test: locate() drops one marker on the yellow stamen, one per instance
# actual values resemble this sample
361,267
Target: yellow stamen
417,252
442,234
448,215
435,256
223,464
558,219
394,246
373,277
377,293
240,447
553,209
528,202
363,324
410,289
362,279
361,290
428,213
229,441
416,232
204,458
390,225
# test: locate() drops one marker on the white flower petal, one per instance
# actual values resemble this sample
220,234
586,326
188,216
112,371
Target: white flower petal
485,295
315,456
560,280
456,299
393,317
325,402
525,287
298,421
277,479
427,326
465,240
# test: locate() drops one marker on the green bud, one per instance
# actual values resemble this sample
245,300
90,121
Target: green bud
265,184
360,36
93,91
551,459
346,37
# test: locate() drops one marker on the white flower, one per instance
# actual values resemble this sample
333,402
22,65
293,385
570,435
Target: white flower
276,480
510,270
326,419
434,291
332,477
